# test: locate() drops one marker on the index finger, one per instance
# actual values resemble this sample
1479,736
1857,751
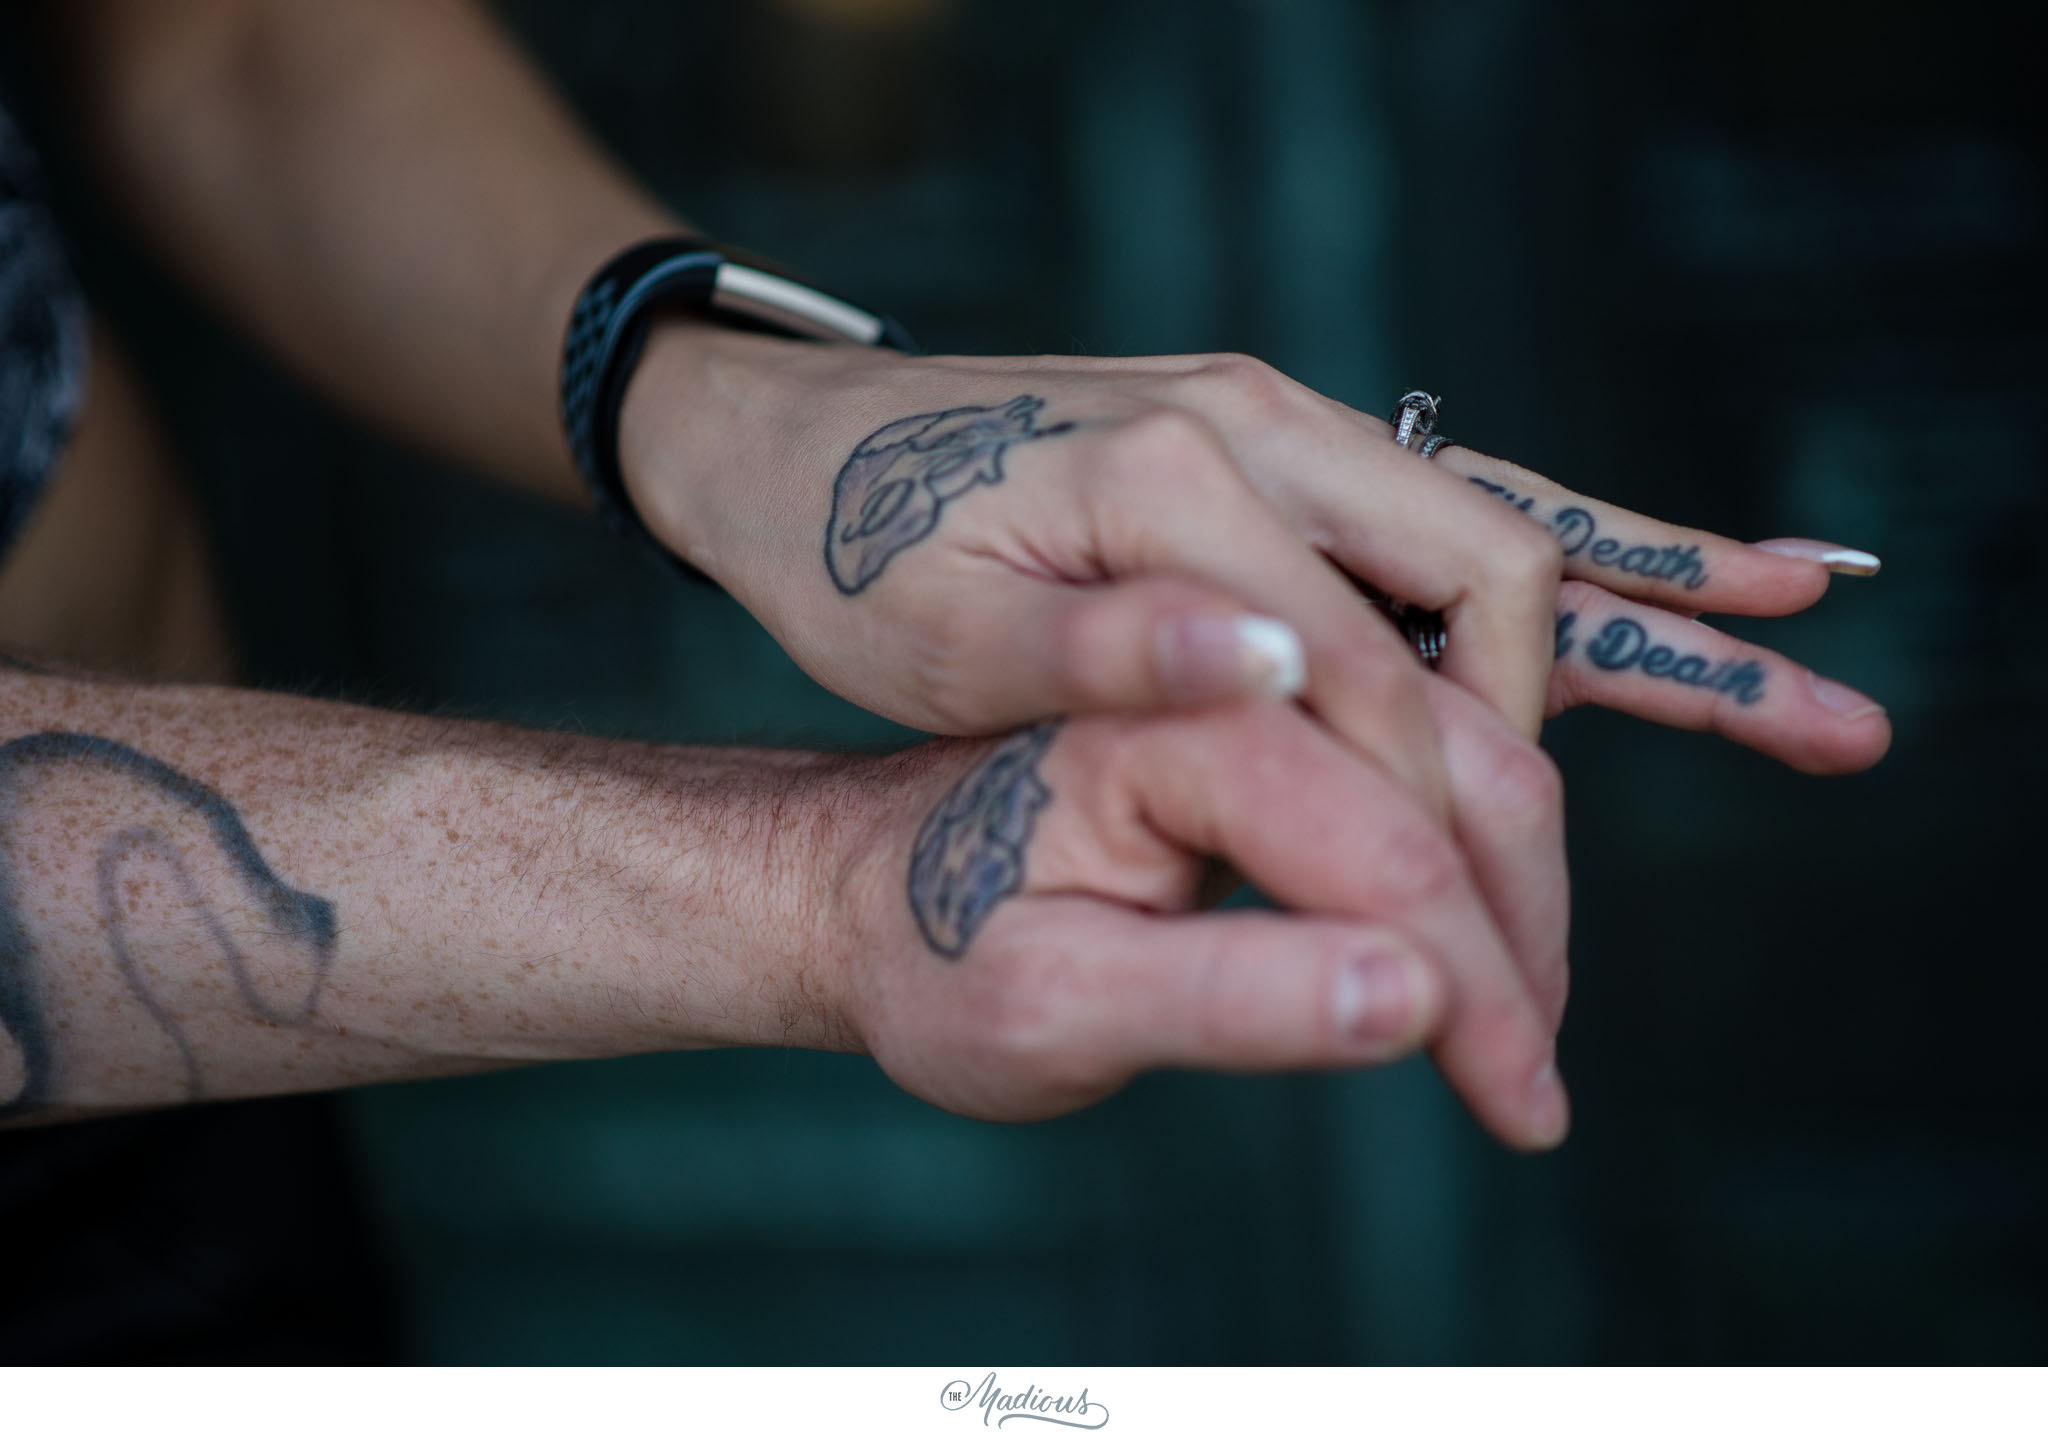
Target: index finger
1661,562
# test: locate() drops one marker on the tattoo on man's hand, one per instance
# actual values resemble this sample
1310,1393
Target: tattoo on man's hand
1578,533
303,920
894,488
1623,645
969,853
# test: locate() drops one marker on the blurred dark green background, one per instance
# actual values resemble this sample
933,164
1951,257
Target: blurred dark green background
1769,268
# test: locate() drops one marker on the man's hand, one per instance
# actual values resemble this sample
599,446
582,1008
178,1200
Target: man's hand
210,894
965,544
216,894
1022,935
219,894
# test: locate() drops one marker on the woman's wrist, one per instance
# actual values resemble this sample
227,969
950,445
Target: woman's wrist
669,401
707,430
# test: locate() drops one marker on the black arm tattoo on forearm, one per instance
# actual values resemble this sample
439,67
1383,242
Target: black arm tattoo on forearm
1623,645
1578,533
894,488
969,853
304,919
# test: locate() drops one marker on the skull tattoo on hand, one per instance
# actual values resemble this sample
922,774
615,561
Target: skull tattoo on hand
892,490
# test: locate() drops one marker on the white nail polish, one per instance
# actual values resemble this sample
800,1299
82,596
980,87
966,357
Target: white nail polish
1846,560
1850,562
1272,648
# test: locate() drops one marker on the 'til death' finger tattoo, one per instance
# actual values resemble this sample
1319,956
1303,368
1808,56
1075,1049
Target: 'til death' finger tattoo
1624,645
1578,533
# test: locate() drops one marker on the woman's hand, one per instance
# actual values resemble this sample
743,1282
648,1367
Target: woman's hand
966,544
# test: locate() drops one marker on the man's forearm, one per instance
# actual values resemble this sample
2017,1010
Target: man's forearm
382,191
216,894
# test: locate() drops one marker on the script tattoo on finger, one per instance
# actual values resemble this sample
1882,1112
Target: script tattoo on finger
969,853
894,488
1501,490
1623,644
1578,533
303,922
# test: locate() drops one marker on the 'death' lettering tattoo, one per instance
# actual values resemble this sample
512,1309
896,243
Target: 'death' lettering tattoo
302,921
1623,645
969,853
1579,535
894,488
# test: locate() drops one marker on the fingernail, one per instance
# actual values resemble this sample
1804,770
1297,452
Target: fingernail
1846,560
1377,997
1550,1114
1271,653
1844,701
1209,658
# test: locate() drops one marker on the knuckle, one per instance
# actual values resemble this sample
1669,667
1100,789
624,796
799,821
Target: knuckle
1172,448
1234,367
1526,555
1109,752
1570,686
1028,1032
1020,1023
1522,784
1420,867
1247,377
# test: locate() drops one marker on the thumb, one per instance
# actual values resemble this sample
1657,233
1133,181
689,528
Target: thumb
1145,644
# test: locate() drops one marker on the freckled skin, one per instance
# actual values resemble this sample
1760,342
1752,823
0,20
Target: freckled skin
696,897
452,861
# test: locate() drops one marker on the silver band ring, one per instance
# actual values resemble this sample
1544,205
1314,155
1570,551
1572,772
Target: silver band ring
1414,421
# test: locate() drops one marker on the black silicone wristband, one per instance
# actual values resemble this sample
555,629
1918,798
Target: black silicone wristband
608,327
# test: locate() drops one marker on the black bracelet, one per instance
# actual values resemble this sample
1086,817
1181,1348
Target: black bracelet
608,327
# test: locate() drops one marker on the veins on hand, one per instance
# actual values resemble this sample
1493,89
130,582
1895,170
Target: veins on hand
894,487
304,921
1578,533
969,853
